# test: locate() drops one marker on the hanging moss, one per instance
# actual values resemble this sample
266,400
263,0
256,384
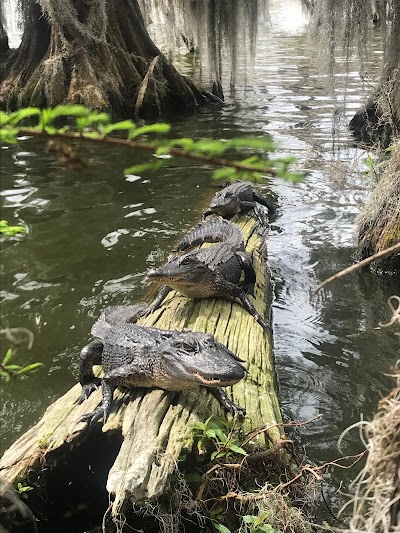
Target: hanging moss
349,24
207,27
94,53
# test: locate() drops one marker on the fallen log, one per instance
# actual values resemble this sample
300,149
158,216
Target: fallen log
156,427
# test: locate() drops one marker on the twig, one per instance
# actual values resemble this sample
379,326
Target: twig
177,152
267,427
259,457
353,268
395,311
8,332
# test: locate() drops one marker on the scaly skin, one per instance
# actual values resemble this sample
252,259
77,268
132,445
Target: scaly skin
239,197
208,272
136,356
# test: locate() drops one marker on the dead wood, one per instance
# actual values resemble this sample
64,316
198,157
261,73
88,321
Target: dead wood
157,426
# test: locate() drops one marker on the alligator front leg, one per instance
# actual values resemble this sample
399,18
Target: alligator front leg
253,311
236,410
231,289
103,410
207,213
249,273
156,303
263,201
90,355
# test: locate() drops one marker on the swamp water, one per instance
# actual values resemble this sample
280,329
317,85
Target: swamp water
93,236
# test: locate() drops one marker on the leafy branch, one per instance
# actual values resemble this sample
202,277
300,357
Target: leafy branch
96,127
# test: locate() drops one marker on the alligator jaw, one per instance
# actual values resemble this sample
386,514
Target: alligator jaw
214,382
175,276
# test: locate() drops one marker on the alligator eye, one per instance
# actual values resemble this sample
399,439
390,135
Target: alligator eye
190,260
189,346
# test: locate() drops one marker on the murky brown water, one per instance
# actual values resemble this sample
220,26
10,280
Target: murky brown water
92,237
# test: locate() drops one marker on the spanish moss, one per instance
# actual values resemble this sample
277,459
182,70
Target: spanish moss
348,26
210,28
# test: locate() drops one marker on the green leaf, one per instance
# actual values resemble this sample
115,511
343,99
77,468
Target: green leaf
224,173
260,519
23,488
51,130
152,128
124,125
218,454
46,116
249,518
209,146
267,528
237,449
10,230
101,118
8,356
165,146
4,118
221,528
9,135
30,367
19,115
13,367
145,167
5,375
92,134
68,110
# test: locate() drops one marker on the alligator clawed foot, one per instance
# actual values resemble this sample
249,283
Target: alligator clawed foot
146,312
87,390
94,416
237,411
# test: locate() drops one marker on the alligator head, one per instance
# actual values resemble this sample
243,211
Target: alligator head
225,203
180,271
197,359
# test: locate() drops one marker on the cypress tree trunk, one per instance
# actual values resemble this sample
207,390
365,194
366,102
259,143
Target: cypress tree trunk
378,121
94,53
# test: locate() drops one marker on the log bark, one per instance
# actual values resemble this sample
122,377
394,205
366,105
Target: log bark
158,426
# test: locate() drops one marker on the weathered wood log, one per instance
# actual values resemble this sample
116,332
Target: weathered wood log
158,425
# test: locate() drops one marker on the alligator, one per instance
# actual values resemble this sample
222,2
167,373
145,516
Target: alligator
208,272
138,356
238,197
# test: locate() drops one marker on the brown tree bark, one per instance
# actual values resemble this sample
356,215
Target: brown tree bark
98,54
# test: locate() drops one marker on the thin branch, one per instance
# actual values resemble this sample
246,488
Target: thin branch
353,268
148,147
267,427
